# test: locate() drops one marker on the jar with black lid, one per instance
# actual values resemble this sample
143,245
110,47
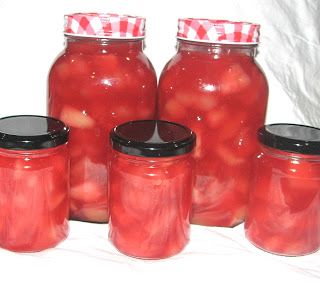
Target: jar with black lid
34,187
151,181
284,207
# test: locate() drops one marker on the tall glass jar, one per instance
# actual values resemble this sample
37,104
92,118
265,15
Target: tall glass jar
100,80
34,187
284,205
214,86
151,178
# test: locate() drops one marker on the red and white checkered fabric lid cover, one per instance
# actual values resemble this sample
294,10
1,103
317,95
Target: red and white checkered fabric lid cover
218,31
104,25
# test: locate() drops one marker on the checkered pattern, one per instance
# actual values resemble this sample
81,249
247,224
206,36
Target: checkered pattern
218,31
104,25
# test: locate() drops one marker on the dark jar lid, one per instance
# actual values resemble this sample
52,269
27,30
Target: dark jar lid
291,138
152,138
32,132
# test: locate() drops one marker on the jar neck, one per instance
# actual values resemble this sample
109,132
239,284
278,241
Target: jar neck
103,45
38,153
216,48
286,155
149,161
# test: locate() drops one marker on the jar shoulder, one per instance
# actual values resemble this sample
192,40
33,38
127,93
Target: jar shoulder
200,61
103,64
196,69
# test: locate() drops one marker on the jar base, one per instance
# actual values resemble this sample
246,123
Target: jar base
216,222
147,258
36,250
280,253
90,216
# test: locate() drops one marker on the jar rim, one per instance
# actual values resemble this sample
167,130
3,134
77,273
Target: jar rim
32,132
152,138
295,138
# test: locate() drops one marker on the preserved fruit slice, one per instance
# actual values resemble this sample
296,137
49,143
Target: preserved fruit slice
174,110
76,118
87,192
233,80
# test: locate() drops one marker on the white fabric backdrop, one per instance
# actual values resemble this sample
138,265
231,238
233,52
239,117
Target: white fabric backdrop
31,37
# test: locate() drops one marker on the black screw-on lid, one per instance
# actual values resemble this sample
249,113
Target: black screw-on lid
291,137
32,132
152,138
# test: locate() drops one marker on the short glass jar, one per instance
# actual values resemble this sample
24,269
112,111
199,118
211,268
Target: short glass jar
284,207
150,188
34,187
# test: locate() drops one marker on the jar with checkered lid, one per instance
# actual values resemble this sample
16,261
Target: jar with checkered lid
214,86
101,79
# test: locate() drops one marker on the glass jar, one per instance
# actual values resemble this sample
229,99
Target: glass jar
284,207
100,80
34,188
214,86
150,188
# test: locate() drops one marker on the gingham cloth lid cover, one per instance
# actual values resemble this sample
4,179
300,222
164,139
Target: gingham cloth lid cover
104,25
218,31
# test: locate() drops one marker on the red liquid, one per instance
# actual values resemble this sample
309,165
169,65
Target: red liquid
93,86
34,204
222,96
150,201
283,214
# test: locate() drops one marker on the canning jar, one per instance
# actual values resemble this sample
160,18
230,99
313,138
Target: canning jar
284,207
150,188
34,188
100,80
214,86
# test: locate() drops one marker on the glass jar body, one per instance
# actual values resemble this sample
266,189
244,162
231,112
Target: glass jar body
150,202
220,93
94,85
283,213
34,198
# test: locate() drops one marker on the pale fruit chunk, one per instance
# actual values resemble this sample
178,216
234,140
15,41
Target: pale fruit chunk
76,118
75,66
87,192
217,117
232,126
234,79
174,110
108,63
123,113
185,98
228,156
205,102
245,143
62,70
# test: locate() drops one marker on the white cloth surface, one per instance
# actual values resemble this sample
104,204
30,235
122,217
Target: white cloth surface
214,258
